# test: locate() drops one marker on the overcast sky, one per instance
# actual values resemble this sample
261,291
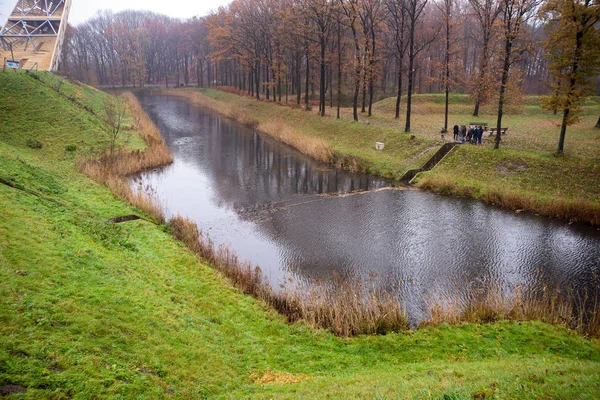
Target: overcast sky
82,10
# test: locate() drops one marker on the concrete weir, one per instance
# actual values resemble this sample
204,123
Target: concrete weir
34,34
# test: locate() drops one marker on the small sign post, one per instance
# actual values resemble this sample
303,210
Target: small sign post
12,64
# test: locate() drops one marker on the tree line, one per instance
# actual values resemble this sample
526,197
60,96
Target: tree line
337,53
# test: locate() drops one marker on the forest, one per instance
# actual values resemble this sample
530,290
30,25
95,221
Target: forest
342,53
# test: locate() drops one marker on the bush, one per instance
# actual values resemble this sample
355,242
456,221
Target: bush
71,148
34,144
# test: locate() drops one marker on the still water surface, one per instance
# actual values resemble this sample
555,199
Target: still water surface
295,217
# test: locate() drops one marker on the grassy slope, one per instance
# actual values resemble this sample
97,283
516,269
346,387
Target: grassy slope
125,311
525,161
524,164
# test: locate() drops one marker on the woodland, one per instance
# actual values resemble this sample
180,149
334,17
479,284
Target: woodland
352,53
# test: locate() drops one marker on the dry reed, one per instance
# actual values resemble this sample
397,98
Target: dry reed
346,309
579,312
112,169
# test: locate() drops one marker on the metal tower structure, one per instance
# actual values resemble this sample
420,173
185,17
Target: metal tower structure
34,33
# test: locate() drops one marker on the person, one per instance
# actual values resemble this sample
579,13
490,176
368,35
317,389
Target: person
469,134
463,132
456,132
480,134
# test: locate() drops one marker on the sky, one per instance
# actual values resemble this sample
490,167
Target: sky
81,10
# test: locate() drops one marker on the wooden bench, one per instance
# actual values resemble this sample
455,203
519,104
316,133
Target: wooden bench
484,124
502,131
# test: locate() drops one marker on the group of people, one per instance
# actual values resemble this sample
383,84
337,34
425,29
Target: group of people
472,135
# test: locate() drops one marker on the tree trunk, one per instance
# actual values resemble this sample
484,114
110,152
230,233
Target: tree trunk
339,82
598,123
411,62
372,72
399,97
567,110
364,92
257,79
298,79
322,72
447,81
306,107
482,69
505,70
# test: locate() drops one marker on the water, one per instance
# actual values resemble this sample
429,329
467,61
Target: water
298,218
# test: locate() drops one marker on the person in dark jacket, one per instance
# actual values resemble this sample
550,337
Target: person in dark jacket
456,132
479,134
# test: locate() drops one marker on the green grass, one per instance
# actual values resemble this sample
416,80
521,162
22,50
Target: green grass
530,126
89,309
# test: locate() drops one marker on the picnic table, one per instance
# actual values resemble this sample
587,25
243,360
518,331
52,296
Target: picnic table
502,131
484,124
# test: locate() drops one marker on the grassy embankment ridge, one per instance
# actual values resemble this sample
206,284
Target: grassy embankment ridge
91,309
523,175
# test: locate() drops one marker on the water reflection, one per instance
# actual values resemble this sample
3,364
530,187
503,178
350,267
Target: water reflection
274,207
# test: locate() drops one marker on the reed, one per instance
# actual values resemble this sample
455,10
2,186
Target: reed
345,308
112,169
570,209
556,306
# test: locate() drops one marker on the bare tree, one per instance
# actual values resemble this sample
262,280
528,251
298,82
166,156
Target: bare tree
486,12
114,113
515,14
396,22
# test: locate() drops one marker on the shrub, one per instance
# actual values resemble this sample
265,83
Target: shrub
71,148
34,143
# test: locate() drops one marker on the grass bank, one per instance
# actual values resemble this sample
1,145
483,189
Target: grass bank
93,309
523,175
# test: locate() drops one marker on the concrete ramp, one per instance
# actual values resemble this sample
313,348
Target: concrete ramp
34,33
432,162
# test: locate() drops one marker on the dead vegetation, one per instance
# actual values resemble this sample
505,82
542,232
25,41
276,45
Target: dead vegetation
111,168
346,309
277,378
489,303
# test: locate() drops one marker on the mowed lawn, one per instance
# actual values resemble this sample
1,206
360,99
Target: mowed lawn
92,309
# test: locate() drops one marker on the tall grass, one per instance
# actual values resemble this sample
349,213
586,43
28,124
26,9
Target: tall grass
111,169
345,308
570,209
489,303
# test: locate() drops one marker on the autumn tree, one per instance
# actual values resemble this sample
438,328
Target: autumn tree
321,14
515,14
447,16
573,48
350,8
486,13
414,9
396,22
